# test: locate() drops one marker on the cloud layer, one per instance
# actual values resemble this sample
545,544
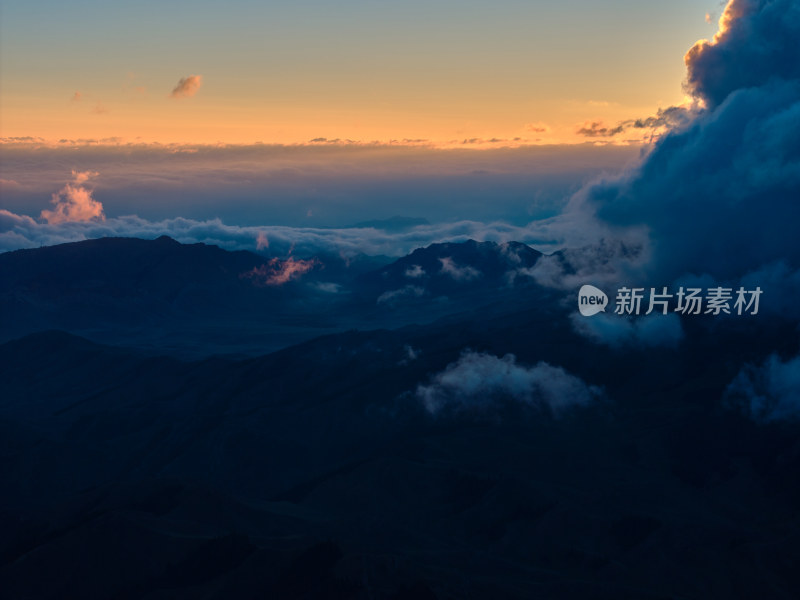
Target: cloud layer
757,44
277,185
21,231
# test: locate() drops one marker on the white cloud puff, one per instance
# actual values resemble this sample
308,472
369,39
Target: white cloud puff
74,202
477,381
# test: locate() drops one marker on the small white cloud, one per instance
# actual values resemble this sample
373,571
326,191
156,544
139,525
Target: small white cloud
478,380
328,288
410,355
415,272
187,86
456,272
409,291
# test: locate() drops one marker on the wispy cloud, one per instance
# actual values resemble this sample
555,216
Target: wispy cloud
415,272
457,272
277,272
392,297
262,241
187,86
8,184
537,127
598,129
663,121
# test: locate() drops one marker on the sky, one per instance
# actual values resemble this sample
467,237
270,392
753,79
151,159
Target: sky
445,72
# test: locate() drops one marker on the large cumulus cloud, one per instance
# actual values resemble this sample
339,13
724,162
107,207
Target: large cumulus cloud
717,197
721,196
757,43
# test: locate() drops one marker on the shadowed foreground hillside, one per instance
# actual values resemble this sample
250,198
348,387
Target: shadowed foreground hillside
318,471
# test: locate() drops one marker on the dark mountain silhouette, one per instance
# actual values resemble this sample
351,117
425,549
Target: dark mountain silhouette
320,470
196,300
449,278
316,471
123,265
192,299
451,267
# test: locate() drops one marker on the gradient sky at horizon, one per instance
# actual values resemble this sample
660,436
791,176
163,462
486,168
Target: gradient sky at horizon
289,73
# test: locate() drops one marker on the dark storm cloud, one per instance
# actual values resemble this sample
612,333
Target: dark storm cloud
720,195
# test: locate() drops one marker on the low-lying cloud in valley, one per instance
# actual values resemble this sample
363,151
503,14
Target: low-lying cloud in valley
768,392
477,382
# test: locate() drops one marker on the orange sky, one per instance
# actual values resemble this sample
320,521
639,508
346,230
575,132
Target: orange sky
516,72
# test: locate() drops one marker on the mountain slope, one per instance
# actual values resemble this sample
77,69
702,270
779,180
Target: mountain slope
320,463
197,300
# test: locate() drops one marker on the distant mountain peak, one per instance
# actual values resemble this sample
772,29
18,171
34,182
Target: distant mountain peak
450,265
165,239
